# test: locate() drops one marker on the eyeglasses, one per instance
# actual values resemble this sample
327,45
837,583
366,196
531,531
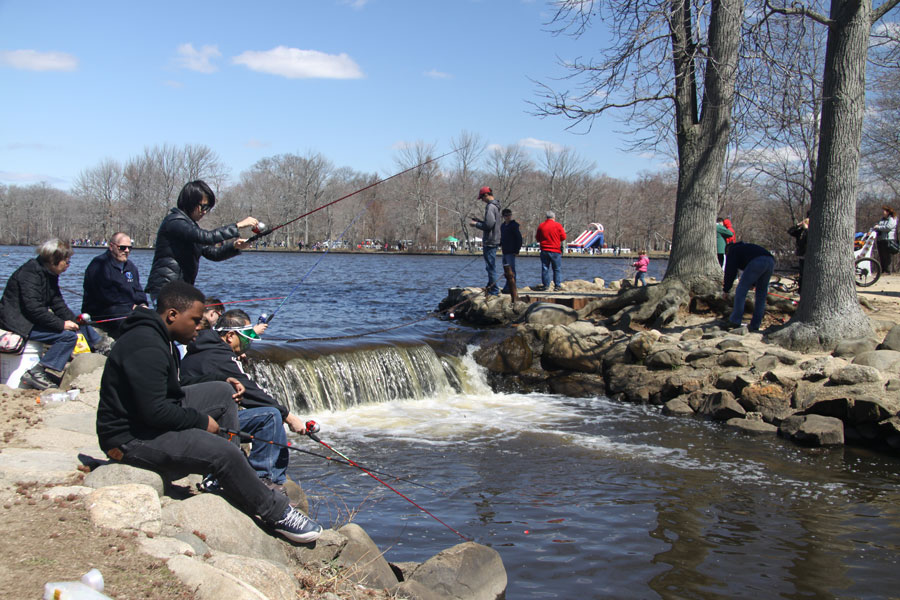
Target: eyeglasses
205,208
123,248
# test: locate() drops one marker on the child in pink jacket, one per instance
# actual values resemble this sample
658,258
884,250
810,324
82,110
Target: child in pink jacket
641,265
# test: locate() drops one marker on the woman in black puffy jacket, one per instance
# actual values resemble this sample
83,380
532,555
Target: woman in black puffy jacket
180,242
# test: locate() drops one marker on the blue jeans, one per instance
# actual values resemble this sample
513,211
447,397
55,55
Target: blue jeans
757,273
640,276
490,265
548,260
61,345
510,259
268,460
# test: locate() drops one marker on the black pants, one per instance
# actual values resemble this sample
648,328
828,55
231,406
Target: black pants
884,255
175,454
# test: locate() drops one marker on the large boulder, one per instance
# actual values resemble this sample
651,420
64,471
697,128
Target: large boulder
362,561
118,474
891,340
768,398
274,581
128,506
886,361
545,313
813,430
82,364
207,582
224,527
467,571
512,355
576,347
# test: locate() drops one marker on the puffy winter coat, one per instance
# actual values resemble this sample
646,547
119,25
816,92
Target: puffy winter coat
32,299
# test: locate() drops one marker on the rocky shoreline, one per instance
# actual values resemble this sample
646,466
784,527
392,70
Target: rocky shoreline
49,453
694,369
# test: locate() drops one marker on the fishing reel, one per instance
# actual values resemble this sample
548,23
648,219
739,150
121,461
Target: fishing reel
312,427
83,319
258,228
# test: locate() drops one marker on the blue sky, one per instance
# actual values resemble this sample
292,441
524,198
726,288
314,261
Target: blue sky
352,79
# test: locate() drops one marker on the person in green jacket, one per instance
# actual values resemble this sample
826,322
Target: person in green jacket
722,234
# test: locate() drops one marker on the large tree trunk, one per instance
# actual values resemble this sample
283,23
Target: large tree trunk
702,140
829,310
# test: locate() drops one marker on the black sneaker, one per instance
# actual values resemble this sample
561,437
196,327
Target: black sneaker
539,288
297,527
37,378
209,485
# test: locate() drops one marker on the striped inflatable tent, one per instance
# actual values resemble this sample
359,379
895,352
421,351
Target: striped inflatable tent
593,237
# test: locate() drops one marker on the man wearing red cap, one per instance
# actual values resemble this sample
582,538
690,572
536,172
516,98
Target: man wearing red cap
490,225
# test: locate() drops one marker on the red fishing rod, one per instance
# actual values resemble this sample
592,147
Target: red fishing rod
249,437
312,428
326,205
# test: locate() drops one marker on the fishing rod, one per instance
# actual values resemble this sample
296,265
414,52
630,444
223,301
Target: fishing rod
312,427
249,437
326,205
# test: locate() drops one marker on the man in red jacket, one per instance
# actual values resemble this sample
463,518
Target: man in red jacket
550,235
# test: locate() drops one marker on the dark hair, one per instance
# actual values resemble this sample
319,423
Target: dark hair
179,295
889,210
213,304
192,194
505,211
233,318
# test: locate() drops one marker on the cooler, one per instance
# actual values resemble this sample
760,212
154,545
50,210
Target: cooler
13,366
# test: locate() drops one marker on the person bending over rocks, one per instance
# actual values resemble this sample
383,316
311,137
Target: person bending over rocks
146,419
756,265
214,356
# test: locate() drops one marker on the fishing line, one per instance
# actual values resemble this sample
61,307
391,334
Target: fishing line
249,437
371,185
312,427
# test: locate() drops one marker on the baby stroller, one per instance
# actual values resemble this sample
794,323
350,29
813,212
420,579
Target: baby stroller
867,269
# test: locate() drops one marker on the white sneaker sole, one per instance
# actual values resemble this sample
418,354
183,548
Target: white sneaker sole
301,538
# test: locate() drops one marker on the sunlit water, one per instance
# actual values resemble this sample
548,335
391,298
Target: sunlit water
582,497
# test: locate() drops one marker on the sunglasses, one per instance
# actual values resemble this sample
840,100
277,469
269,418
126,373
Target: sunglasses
245,334
204,208
123,248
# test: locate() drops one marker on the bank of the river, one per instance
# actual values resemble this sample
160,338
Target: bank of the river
65,509
696,367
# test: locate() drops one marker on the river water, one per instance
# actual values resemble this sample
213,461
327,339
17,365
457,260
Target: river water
582,497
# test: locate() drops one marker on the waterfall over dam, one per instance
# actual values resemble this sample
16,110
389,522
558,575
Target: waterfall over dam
335,379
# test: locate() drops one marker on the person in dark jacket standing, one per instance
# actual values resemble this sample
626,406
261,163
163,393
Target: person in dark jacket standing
112,285
800,232
213,356
180,242
550,235
33,307
146,419
510,244
490,239
757,266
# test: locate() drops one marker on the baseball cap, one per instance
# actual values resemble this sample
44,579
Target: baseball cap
485,191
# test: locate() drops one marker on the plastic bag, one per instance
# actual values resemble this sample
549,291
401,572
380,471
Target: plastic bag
81,346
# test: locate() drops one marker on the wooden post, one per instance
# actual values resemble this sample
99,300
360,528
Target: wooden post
511,282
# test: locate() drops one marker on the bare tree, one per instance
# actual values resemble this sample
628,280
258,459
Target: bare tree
830,311
101,187
565,178
508,165
418,184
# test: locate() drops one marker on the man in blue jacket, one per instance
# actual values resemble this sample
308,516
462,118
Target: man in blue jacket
146,419
510,244
112,286
757,265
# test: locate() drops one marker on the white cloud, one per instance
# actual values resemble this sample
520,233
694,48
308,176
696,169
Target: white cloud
435,74
294,63
540,144
198,60
32,60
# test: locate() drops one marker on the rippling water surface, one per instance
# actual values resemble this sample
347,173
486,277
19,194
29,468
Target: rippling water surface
582,497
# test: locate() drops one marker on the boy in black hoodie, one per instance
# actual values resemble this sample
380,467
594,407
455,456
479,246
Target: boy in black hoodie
213,356
147,420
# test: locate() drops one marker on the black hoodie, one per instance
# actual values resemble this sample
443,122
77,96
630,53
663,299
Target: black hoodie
140,396
209,358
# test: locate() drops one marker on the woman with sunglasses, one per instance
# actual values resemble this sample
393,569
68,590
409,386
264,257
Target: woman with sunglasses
180,242
33,307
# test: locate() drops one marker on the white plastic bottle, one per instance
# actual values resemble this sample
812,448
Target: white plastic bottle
89,588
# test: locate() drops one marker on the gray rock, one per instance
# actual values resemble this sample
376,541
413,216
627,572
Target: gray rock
850,348
677,407
413,590
813,430
545,313
770,399
887,361
197,545
117,474
209,583
729,344
721,406
668,358
567,348
766,362
467,571
641,343
853,374
225,528
891,340
734,358
820,368
872,409
82,364
694,333
784,356
752,426
274,581
128,506
363,562
164,547
320,553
